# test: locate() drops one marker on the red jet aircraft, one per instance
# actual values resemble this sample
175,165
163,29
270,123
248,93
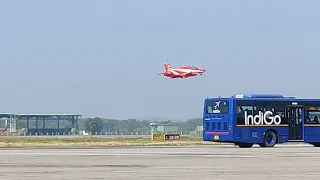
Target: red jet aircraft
182,72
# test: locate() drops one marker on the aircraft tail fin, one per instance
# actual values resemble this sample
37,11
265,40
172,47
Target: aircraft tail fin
167,66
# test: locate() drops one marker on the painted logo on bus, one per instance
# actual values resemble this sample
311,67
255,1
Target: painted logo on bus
262,118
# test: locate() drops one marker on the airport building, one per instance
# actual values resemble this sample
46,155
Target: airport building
37,124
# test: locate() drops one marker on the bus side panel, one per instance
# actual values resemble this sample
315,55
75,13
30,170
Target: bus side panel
255,134
311,133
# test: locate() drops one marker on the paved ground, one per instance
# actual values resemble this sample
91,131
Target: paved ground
225,162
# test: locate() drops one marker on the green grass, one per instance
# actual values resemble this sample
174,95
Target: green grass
92,141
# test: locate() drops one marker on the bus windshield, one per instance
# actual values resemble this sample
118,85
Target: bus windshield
217,107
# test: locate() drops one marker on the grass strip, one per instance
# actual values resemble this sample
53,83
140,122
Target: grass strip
95,142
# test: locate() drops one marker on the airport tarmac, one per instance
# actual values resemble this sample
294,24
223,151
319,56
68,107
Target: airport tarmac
219,162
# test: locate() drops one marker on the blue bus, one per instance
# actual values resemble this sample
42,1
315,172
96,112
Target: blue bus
263,119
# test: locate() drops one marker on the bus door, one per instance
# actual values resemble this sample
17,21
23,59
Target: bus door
295,122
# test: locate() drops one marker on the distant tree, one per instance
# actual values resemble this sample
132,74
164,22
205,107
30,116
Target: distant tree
133,125
190,124
110,125
94,125
193,123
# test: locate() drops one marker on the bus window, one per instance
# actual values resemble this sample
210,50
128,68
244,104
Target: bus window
241,112
242,109
253,108
281,111
217,107
312,115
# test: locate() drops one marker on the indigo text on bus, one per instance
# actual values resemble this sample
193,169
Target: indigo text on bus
262,118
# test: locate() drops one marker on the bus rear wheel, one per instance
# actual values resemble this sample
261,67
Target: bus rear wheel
316,144
269,140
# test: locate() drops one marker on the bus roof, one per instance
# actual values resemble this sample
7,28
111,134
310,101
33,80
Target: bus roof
257,96
260,96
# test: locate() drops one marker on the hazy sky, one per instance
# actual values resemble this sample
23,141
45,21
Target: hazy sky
101,58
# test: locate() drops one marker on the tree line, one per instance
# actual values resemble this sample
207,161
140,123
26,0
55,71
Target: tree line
98,125
133,125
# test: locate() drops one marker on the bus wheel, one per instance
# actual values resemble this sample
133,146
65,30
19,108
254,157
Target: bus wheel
245,145
270,139
316,144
